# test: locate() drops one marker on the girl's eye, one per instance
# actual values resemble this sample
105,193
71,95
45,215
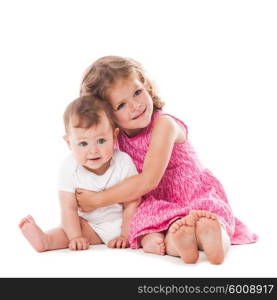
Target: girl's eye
121,105
83,144
101,141
138,92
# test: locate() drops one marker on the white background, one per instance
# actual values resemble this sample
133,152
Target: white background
216,68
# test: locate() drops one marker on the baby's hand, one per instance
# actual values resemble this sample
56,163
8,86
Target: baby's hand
78,243
118,242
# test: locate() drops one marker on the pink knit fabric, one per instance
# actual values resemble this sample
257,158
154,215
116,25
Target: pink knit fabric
185,185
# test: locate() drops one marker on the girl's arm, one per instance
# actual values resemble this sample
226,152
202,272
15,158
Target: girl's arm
165,133
71,221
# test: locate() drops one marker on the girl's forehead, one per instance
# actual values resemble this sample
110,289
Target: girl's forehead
123,87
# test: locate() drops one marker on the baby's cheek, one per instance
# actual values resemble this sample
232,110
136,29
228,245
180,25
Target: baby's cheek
110,153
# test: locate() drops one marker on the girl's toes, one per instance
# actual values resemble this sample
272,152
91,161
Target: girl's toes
173,228
178,222
214,217
193,213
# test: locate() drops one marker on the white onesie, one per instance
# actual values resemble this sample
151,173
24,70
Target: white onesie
105,221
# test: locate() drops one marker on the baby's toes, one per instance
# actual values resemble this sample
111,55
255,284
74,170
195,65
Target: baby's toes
23,222
30,218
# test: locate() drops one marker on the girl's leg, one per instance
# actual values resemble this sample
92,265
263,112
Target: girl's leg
153,243
181,240
55,238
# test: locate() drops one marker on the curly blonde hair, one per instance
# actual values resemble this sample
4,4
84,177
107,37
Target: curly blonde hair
104,72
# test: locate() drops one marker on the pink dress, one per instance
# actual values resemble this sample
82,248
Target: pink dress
185,185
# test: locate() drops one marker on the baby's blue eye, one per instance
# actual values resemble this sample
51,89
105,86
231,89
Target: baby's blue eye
121,105
138,92
83,144
101,141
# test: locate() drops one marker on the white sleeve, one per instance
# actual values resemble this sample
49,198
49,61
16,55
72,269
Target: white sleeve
127,166
66,175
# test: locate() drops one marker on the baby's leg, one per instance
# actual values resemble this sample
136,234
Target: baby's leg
153,243
41,241
53,239
209,238
89,233
181,240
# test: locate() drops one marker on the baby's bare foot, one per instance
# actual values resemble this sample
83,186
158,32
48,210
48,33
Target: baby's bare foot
153,243
208,233
184,239
36,237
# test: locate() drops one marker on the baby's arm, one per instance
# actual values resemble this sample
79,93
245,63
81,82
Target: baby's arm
165,133
71,221
128,212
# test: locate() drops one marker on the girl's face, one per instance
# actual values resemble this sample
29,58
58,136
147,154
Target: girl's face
132,105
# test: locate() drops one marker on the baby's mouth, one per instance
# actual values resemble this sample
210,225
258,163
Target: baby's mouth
94,159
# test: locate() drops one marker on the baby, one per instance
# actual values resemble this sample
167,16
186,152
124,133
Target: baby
93,165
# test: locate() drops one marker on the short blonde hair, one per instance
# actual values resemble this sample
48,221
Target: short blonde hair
84,112
104,72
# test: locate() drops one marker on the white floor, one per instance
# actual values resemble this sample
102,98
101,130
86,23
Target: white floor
20,260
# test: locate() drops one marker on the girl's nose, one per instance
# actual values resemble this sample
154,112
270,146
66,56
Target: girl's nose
134,105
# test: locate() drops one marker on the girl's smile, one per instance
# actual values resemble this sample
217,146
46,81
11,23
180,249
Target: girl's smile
140,114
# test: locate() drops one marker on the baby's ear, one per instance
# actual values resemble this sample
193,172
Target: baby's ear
115,134
65,137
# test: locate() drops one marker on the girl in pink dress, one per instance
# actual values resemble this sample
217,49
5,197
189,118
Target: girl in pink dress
183,207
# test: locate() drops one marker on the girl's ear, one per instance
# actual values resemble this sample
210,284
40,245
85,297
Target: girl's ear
65,137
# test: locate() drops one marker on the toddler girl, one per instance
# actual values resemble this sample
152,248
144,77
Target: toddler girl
184,207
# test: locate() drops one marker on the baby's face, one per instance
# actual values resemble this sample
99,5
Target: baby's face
93,147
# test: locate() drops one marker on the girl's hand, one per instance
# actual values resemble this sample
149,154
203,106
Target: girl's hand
86,200
78,243
118,242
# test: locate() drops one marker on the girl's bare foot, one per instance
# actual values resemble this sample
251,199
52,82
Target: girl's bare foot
208,234
36,237
197,214
184,239
153,243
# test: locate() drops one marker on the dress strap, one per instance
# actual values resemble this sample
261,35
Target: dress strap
181,123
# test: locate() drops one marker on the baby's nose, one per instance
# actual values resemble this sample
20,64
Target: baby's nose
93,149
